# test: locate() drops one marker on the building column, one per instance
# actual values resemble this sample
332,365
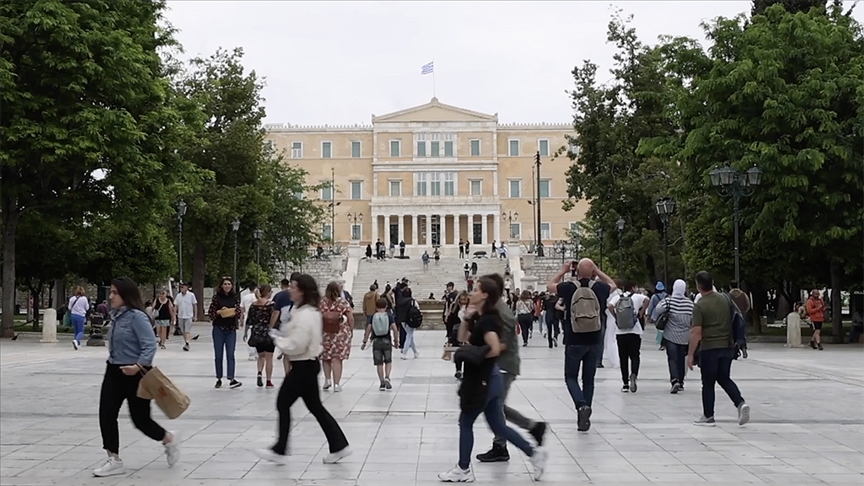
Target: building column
401,222
428,230
442,235
414,226
457,218
483,224
497,230
374,228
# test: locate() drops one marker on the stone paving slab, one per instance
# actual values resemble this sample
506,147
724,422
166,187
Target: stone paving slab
807,422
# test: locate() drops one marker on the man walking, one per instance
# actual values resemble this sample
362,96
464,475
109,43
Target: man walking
712,327
187,308
282,306
583,336
508,362
659,295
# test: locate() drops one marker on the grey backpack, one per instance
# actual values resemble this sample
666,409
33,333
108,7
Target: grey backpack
625,317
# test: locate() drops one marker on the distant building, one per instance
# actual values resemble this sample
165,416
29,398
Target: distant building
432,175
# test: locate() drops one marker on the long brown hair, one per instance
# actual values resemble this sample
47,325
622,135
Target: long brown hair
333,292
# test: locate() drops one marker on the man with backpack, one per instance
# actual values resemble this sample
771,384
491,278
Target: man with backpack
627,308
716,332
583,301
380,328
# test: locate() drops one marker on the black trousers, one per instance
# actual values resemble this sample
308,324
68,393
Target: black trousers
628,353
302,382
525,321
117,387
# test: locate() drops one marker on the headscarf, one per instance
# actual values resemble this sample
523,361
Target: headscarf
678,288
678,302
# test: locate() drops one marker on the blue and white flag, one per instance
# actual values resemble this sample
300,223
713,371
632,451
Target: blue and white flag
428,68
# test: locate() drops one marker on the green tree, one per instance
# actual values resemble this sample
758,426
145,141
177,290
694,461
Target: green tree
793,6
84,117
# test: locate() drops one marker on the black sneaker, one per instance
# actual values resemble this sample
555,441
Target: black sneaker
813,344
600,365
260,380
625,388
583,420
219,383
633,383
458,375
387,384
538,431
555,342
235,384
186,347
381,386
675,388
495,454
819,346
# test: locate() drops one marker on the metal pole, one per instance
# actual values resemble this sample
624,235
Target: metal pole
180,247
235,257
258,261
735,196
601,253
332,206
539,219
665,253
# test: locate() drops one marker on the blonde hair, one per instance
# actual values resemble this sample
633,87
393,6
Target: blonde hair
79,291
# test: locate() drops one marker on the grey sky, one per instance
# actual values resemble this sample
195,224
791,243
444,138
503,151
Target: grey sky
339,62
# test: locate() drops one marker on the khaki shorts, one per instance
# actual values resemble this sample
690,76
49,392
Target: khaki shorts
185,325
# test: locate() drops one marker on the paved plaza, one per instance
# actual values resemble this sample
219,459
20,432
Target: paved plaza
807,422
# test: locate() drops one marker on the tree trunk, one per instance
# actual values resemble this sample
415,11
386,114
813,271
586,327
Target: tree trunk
59,293
36,293
10,226
757,305
198,272
836,301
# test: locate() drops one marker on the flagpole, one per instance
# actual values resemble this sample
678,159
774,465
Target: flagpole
433,79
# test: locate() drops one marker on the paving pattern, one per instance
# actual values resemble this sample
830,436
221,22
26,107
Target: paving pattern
807,422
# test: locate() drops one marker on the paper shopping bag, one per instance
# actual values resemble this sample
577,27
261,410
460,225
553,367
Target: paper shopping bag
157,387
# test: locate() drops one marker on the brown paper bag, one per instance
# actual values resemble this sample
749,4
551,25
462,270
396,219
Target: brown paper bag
156,386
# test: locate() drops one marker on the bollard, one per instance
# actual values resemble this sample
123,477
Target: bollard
96,322
49,326
793,330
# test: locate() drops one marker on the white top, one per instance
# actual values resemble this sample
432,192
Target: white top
79,305
246,302
638,301
301,340
185,305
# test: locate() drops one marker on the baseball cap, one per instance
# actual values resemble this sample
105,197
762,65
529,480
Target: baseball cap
659,287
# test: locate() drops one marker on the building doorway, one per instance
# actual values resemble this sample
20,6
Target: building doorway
478,233
394,233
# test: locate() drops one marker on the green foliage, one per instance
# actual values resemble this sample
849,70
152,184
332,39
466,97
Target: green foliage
793,6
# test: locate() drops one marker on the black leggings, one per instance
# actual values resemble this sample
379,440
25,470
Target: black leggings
628,353
302,382
117,387
525,322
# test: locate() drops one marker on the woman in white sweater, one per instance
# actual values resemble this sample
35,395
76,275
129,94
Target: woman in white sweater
301,344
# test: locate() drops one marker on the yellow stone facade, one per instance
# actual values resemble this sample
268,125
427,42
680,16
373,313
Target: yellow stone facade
435,174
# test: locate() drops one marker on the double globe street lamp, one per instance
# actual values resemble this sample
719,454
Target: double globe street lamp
235,225
565,247
665,208
620,225
731,183
181,211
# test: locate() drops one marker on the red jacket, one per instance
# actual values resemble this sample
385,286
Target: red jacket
816,309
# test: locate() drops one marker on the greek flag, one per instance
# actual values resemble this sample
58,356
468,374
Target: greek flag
428,68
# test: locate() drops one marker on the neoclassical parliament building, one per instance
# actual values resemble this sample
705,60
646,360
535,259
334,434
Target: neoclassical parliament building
433,175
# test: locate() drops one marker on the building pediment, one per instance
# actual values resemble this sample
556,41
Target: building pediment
435,111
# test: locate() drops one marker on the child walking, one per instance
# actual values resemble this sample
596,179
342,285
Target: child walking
382,327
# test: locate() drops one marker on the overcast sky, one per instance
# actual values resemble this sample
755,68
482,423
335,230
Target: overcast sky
340,62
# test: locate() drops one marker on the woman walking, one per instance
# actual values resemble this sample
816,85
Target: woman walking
261,320
525,315
225,314
78,307
338,329
677,313
163,309
482,385
301,344
131,349
462,301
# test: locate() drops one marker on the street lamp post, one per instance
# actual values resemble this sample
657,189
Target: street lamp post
620,225
258,234
539,219
181,211
286,247
354,219
510,217
235,225
665,209
730,182
600,239
563,247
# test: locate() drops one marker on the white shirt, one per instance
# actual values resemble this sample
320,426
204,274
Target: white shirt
301,340
246,302
185,304
699,295
638,301
81,305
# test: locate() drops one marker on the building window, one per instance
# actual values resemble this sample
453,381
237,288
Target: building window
356,232
326,232
449,183
516,188
297,150
475,148
545,231
476,188
514,148
544,188
327,192
574,149
395,188
356,190
299,195
395,148
448,145
436,149
421,145
574,229
435,184
326,150
516,231
420,178
543,147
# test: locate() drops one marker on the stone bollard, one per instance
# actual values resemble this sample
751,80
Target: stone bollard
49,326
793,330
529,282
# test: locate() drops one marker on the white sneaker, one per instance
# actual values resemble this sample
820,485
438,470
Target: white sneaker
172,449
539,460
269,455
327,384
457,475
404,356
337,388
75,344
416,354
743,414
113,467
337,456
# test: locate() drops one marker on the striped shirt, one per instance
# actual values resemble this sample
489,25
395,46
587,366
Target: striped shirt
680,318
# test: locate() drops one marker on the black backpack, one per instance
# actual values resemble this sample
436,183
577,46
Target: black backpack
414,317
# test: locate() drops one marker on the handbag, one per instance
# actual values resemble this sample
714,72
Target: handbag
660,325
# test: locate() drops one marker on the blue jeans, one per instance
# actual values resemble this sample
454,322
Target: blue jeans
78,325
716,366
226,340
495,419
409,340
586,357
676,354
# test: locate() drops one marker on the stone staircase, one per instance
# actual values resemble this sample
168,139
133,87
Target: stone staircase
422,283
